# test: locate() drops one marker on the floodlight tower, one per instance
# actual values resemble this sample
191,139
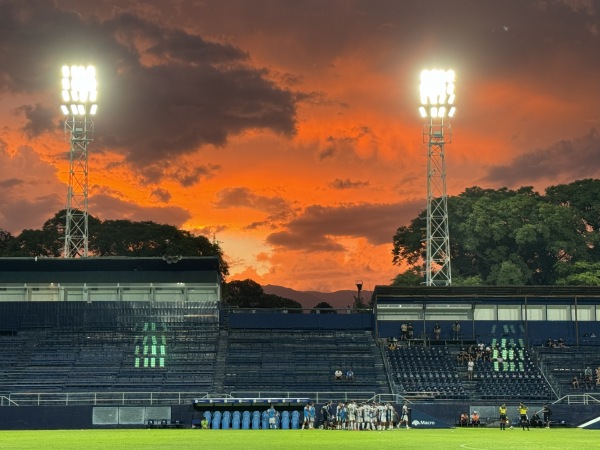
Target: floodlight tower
79,95
437,106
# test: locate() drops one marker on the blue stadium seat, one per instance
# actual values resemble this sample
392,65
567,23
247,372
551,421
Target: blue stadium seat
236,420
256,420
216,422
226,422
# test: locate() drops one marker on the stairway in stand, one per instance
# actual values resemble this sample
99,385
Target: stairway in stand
221,363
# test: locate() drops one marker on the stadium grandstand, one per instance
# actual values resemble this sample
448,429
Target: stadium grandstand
134,342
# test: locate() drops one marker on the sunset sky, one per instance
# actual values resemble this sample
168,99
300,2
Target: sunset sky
288,129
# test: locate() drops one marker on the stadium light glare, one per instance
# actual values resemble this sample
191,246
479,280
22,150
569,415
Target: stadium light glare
437,92
79,89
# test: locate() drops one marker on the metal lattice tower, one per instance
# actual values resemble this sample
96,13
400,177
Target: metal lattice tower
437,266
79,94
437,104
80,131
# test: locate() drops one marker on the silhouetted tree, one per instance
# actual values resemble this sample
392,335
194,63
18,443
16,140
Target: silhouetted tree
249,294
323,308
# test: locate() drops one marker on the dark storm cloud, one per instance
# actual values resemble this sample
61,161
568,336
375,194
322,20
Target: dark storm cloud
114,208
189,177
246,198
23,213
347,184
317,227
574,159
39,119
162,195
162,91
337,144
10,183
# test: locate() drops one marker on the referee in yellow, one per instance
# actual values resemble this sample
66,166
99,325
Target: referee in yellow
523,414
503,417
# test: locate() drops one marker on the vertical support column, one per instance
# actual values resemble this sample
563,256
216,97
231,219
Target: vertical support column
437,266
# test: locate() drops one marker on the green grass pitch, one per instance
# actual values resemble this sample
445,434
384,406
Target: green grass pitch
469,439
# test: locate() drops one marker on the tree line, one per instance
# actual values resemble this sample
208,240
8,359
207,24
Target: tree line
513,237
139,239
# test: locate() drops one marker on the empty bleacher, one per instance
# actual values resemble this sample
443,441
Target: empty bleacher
560,365
517,376
425,373
144,349
302,361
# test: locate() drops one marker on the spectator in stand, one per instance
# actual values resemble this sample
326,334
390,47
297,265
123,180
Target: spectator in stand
470,369
462,356
479,351
464,420
404,332
575,382
410,330
349,375
561,343
587,381
437,331
550,343
475,421
598,376
337,375
456,330
487,356
500,361
473,352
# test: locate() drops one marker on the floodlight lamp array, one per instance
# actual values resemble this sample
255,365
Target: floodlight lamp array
79,90
437,94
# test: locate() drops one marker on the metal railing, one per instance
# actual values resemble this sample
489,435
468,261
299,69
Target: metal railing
579,399
175,398
5,401
317,397
101,398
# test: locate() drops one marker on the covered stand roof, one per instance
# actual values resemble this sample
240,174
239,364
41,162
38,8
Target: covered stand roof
111,270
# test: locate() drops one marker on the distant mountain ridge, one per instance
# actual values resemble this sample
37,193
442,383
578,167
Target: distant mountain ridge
308,299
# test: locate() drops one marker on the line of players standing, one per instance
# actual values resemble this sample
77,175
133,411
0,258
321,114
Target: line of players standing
524,419
355,416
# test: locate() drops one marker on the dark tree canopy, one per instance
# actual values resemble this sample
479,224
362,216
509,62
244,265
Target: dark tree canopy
323,308
512,237
112,238
249,294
